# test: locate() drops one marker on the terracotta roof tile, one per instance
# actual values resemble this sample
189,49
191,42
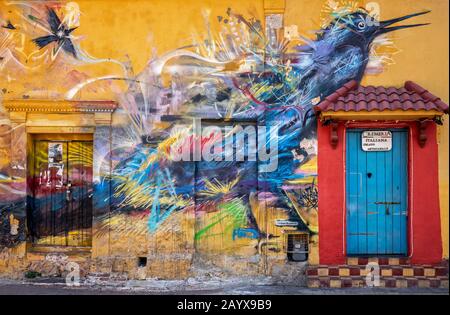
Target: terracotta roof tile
353,97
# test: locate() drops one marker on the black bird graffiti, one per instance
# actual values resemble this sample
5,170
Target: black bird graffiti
9,26
60,34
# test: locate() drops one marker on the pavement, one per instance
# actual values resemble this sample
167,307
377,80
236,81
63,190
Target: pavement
161,287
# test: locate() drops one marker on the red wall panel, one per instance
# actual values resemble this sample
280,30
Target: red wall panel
425,243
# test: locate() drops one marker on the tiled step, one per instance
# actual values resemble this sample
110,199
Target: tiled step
399,274
363,261
385,282
385,271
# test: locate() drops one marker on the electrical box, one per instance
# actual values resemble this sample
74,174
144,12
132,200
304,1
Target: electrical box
297,246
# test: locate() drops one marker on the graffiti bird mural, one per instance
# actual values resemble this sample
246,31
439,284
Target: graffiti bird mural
243,98
59,34
239,84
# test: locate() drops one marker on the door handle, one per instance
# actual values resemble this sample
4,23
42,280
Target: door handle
387,204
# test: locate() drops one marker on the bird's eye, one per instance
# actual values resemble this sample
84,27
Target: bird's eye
361,25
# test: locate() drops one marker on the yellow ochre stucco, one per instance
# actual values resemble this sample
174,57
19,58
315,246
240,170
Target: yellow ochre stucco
138,31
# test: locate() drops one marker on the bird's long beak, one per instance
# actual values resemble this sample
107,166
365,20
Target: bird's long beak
71,30
384,24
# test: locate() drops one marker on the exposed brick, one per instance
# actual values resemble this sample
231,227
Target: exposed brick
383,261
355,271
311,272
344,272
386,272
444,284
322,272
401,283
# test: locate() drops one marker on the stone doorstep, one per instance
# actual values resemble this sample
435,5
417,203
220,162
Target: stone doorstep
386,282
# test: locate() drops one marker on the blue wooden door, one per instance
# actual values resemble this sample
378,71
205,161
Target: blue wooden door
377,196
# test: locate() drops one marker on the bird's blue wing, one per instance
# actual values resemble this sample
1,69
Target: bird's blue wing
69,48
53,20
43,41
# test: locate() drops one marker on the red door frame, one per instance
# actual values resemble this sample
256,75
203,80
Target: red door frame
424,226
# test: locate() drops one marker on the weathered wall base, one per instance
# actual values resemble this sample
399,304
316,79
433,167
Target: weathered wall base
15,264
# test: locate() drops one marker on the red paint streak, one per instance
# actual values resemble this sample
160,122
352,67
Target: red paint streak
425,243
205,141
247,93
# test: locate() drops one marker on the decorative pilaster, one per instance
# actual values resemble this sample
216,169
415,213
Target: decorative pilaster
273,15
18,147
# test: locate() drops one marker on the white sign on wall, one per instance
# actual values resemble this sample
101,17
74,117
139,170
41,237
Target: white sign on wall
281,222
376,140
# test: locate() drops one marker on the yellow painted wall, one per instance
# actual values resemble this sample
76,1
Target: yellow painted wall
116,29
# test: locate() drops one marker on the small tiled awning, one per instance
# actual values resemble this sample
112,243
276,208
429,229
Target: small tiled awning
355,102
